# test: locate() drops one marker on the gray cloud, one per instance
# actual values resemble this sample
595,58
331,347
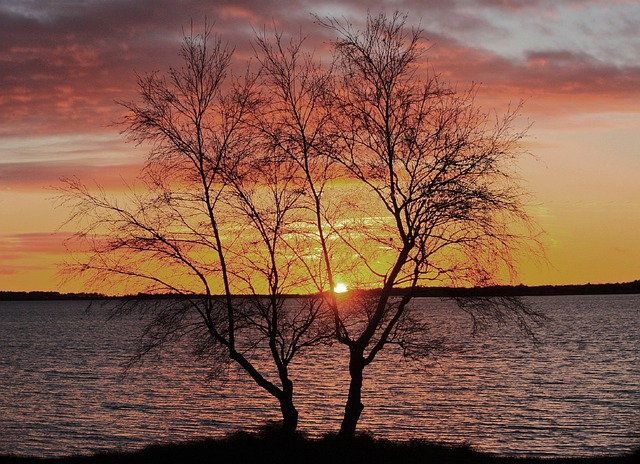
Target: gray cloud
63,63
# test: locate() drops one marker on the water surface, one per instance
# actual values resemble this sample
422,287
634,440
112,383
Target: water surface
574,394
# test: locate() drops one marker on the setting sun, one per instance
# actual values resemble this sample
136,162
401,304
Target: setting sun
340,288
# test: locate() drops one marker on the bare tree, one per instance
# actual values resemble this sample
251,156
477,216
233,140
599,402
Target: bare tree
211,220
437,175
244,195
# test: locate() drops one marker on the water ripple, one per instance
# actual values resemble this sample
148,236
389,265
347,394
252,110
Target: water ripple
576,394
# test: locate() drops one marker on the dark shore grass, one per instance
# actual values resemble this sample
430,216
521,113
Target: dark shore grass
271,446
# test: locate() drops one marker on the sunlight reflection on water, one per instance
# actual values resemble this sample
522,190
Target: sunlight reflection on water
576,394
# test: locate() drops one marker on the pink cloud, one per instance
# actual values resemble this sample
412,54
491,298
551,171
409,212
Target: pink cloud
15,246
62,69
29,261
554,82
43,175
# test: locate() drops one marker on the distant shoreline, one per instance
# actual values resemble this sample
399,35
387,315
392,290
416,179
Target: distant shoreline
446,292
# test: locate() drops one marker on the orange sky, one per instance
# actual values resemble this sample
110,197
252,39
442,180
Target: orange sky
575,62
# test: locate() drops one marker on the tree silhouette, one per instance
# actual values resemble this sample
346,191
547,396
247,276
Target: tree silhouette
367,168
436,172
210,221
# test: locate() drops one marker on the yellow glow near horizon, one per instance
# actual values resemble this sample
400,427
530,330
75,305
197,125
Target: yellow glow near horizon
340,288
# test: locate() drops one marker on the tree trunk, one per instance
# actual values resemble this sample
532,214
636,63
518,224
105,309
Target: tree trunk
354,405
289,414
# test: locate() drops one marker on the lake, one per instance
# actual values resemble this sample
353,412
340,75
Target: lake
575,393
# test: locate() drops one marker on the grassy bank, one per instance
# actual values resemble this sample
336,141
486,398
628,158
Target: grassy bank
270,446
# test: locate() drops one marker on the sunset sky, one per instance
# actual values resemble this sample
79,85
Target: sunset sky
64,63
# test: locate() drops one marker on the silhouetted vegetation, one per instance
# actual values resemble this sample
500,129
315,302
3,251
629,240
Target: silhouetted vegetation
272,446
539,290
47,296
624,288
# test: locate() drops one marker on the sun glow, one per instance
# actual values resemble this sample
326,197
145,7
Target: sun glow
340,288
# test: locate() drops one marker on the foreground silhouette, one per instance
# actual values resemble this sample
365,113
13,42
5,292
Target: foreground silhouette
270,445
296,176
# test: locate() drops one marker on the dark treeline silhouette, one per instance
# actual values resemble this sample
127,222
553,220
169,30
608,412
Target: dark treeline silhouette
623,288
45,296
536,290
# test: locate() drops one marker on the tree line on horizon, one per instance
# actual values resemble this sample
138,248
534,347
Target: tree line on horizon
631,287
296,175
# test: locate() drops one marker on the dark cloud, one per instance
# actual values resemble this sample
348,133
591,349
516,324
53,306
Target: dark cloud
513,4
578,75
64,63
61,69
550,77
